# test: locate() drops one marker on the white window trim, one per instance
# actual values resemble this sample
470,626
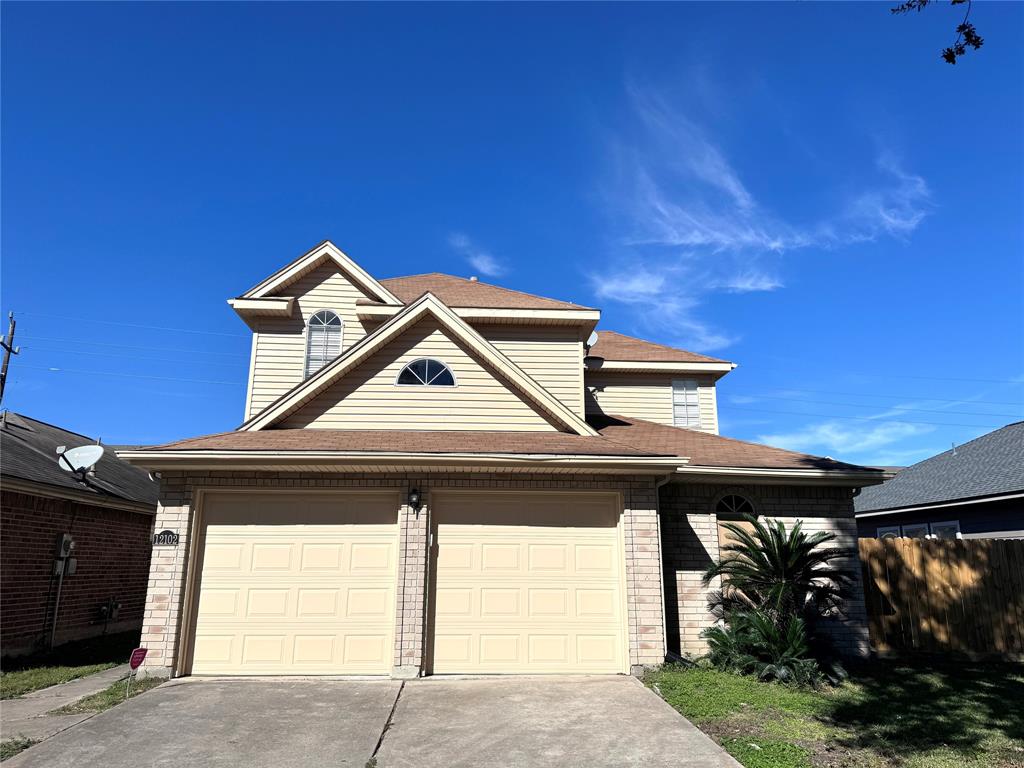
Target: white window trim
684,387
455,379
931,527
306,373
880,532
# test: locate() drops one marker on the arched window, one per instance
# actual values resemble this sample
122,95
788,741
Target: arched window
323,340
426,373
733,506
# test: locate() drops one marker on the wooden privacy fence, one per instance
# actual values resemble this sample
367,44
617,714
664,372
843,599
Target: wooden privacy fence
942,596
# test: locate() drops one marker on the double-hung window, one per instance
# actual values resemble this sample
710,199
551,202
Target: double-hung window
323,340
685,405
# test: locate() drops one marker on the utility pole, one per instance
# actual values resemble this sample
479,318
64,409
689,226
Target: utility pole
9,349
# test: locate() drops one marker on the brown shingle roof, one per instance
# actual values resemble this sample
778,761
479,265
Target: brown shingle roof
619,436
705,450
460,292
402,441
617,346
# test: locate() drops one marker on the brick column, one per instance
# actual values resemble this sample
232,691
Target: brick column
643,576
161,621
410,595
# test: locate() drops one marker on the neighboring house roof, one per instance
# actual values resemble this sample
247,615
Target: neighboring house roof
991,465
461,292
426,305
707,450
617,346
28,451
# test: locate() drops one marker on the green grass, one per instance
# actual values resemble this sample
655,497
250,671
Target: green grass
765,753
11,747
888,714
24,674
109,697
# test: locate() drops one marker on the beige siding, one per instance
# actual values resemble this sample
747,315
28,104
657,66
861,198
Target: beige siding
280,344
552,356
368,398
647,396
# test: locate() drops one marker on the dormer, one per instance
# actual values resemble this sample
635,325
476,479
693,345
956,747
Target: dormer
317,307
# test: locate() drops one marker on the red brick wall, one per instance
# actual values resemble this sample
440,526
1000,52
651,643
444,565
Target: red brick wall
112,548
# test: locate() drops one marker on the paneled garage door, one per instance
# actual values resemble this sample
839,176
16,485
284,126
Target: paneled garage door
528,583
297,584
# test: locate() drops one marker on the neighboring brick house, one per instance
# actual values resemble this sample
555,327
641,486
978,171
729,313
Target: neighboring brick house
971,491
436,475
109,516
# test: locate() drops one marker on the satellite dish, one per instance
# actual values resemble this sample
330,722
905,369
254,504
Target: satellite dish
80,460
592,339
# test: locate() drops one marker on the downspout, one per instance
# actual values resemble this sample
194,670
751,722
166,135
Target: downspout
658,485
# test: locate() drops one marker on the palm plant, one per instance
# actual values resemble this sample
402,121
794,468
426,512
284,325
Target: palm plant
785,574
775,585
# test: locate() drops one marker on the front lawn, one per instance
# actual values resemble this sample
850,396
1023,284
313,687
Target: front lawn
24,674
889,714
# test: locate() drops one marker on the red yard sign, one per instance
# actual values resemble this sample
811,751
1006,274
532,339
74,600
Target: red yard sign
138,656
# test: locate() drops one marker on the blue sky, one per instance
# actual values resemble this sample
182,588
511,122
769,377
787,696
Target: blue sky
805,189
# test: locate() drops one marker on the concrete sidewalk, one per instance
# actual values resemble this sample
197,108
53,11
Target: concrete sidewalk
26,716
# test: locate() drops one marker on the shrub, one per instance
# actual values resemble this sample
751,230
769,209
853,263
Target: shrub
776,584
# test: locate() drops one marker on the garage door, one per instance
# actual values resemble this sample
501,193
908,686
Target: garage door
528,583
296,584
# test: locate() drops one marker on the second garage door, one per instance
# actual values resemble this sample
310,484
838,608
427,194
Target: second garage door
296,583
528,583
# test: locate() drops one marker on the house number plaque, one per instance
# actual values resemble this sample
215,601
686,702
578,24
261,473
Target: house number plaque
165,539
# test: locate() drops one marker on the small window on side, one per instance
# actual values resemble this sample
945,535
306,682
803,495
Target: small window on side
916,531
889,532
948,529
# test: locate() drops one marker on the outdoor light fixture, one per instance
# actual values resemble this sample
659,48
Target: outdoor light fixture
414,500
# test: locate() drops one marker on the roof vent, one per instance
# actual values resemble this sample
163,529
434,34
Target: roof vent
473,279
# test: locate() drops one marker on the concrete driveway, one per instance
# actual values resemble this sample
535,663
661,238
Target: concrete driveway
516,722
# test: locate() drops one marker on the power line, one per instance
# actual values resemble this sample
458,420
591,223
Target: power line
893,407
124,357
191,351
892,397
126,375
131,325
903,376
865,418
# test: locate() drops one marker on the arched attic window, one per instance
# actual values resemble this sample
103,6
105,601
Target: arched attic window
323,340
426,372
732,506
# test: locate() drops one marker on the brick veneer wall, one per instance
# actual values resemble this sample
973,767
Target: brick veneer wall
689,534
112,549
166,597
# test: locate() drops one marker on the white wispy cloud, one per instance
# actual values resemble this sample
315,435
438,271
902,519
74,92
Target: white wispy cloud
481,260
859,441
693,228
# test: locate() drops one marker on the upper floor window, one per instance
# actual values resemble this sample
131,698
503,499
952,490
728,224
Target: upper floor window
685,405
323,340
426,373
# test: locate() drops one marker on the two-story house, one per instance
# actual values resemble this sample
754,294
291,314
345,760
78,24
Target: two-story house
436,475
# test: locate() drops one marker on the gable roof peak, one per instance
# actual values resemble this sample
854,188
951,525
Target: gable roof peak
322,252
